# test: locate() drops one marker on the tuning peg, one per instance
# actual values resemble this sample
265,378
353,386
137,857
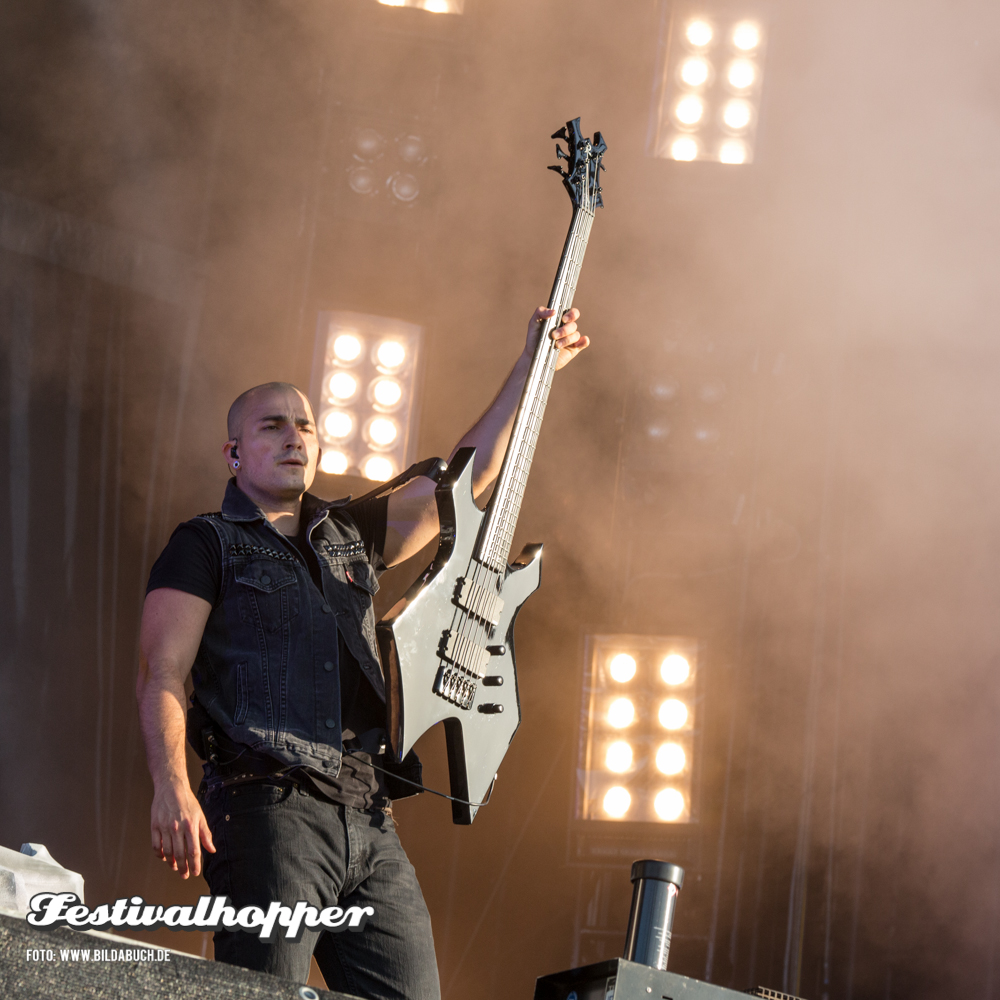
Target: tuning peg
560,155
559,171
561,134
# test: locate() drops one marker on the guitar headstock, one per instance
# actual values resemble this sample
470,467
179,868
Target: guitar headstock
582,176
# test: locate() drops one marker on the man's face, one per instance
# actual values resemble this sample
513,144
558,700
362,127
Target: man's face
277,445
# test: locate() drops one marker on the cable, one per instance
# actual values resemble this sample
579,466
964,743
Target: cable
424,788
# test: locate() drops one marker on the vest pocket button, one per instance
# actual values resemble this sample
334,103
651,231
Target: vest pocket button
328,665
326,609
265,579
331,724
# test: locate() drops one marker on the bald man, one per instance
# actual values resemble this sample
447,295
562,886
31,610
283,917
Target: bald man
267,605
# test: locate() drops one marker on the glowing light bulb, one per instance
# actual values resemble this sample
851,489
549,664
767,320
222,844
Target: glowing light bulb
675,669
621,713
733,152
746,36
378,468
670,758
694,72
684,149
334,463
382,431
669,804
387,392
619,757
698,33
616,801
673,714
737,115
742,74
622,667
393,3
347,347
690,109
391,354
343,385
338,424
437,6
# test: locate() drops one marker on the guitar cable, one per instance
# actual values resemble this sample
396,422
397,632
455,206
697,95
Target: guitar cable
424,788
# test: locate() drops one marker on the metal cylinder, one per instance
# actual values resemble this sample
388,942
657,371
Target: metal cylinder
655,886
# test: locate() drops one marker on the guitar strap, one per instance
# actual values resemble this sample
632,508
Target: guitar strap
432,468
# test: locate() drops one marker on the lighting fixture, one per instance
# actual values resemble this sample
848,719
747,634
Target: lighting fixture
708,85
622,668
638,732
363,390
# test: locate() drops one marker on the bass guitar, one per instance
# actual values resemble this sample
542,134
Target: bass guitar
447,647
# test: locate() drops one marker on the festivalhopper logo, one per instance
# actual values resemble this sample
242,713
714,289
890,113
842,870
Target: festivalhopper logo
212,913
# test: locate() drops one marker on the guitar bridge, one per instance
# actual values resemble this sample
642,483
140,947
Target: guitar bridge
479,601
457,683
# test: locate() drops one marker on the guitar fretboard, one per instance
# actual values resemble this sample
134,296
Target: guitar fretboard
505,504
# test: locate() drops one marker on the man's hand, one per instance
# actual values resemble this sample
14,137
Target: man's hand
179,829
567,337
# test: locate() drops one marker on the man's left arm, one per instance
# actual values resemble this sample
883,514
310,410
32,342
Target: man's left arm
412,510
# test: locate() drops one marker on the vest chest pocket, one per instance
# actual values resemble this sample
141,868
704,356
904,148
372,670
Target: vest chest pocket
268,593
348,563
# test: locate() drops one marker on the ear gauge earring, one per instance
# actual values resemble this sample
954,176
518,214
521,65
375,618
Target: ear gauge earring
236,464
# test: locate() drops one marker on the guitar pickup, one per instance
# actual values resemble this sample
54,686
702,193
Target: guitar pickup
479,601
465,653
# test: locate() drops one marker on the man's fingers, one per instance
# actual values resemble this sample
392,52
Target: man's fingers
193,848
177,847
206,836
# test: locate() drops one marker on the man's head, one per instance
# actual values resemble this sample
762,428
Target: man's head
272,447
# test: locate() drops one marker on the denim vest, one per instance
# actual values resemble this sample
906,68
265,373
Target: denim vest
266,671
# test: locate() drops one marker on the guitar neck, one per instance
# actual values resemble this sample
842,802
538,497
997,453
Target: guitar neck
505,504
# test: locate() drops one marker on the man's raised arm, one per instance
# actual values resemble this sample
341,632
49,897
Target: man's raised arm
413,519
172,627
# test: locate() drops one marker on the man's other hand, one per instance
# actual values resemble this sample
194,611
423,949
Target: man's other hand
567,337
179,829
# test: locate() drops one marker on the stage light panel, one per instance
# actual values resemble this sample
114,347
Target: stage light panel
694,72
386,392
737,115
638,729
708,88
338,425
363,392
621,713
684,148
675,669
622,668
690,110
390,355
741,74
431,6
733,151
617,801
343,386
378,468
669,804
698,33
346,347
618,757
672,714
382,432
334,463
746,36
670,758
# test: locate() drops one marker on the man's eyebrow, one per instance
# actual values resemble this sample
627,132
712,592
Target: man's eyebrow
280,418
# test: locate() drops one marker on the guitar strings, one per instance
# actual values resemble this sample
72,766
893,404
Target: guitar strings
500,531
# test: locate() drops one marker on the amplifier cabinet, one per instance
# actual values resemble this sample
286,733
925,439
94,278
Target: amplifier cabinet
619,979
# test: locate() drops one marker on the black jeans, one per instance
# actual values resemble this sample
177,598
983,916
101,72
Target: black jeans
276,841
